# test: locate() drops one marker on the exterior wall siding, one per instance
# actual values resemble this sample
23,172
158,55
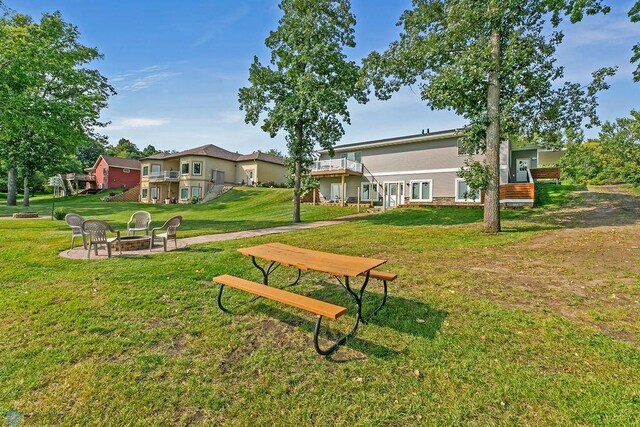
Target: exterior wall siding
113,177
270,172
435,160
548,157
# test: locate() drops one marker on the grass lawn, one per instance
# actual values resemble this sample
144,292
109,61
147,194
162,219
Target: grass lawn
140,341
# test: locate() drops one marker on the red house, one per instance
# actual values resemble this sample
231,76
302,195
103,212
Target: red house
114,172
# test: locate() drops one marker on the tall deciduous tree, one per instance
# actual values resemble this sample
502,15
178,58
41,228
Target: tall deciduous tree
634,14
125,148
492,62
306,92
50,101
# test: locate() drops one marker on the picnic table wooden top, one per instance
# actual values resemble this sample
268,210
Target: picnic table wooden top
307,259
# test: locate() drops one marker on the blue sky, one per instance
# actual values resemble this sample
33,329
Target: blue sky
177,67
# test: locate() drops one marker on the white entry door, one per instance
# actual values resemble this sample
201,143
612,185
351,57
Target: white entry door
522,166
336,191
394,193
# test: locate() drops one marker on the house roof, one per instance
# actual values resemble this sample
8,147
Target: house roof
263,157
117,162
214,151
407,139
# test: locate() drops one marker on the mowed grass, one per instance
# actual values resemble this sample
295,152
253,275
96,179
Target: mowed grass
140,341
242,208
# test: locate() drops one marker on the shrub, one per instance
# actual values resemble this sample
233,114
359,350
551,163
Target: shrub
194,200
112,193
59,213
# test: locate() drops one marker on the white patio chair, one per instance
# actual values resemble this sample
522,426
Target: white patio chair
96,231
75,222
171,226
139,221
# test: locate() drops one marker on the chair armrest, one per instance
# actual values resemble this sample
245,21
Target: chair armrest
118,234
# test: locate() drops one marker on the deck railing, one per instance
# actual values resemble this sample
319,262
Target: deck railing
519,192
164,176
330,165
545,173
80,177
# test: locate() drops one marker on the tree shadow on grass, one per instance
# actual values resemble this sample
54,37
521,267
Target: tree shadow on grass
200,249
404,316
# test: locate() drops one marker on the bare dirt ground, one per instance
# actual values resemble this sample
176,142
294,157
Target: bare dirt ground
587,271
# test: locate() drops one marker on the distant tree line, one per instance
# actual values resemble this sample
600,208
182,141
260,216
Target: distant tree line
613,157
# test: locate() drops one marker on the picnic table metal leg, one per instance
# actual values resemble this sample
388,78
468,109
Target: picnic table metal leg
219,299
359,295
384,301
335,345
273,266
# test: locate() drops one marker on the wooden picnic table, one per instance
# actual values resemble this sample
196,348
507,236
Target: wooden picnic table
307,259
343,267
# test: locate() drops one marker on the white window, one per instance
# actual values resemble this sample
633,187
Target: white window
367,188
184,193
184,168
421,190
197,168
463,189
145,193
155,170
145,171
154,192
354,156
195,192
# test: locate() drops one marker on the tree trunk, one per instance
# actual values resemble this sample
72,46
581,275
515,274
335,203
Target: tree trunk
25,199
492,194
12,186
297,172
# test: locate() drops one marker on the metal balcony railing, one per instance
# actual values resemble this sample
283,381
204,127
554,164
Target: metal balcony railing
164,176
336,165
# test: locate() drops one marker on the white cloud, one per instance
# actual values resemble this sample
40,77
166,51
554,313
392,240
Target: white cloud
613,32
135,123
135,80
230,117
219,25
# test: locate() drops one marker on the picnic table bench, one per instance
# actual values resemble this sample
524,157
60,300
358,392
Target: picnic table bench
343,267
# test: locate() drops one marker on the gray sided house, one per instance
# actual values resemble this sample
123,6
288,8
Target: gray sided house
419,170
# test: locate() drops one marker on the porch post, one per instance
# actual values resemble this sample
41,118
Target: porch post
359,199
342,198
384,198
398,188
371,194
314,195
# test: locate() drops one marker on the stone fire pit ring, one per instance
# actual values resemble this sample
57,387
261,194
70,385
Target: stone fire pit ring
133,243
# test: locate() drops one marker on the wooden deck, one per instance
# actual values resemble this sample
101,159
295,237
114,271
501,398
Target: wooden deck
545,173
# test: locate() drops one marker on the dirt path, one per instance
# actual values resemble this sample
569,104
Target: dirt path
588,271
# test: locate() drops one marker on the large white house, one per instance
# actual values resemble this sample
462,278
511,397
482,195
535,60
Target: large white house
420,169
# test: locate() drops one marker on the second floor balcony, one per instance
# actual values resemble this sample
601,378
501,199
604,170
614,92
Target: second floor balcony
164,176
336,167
